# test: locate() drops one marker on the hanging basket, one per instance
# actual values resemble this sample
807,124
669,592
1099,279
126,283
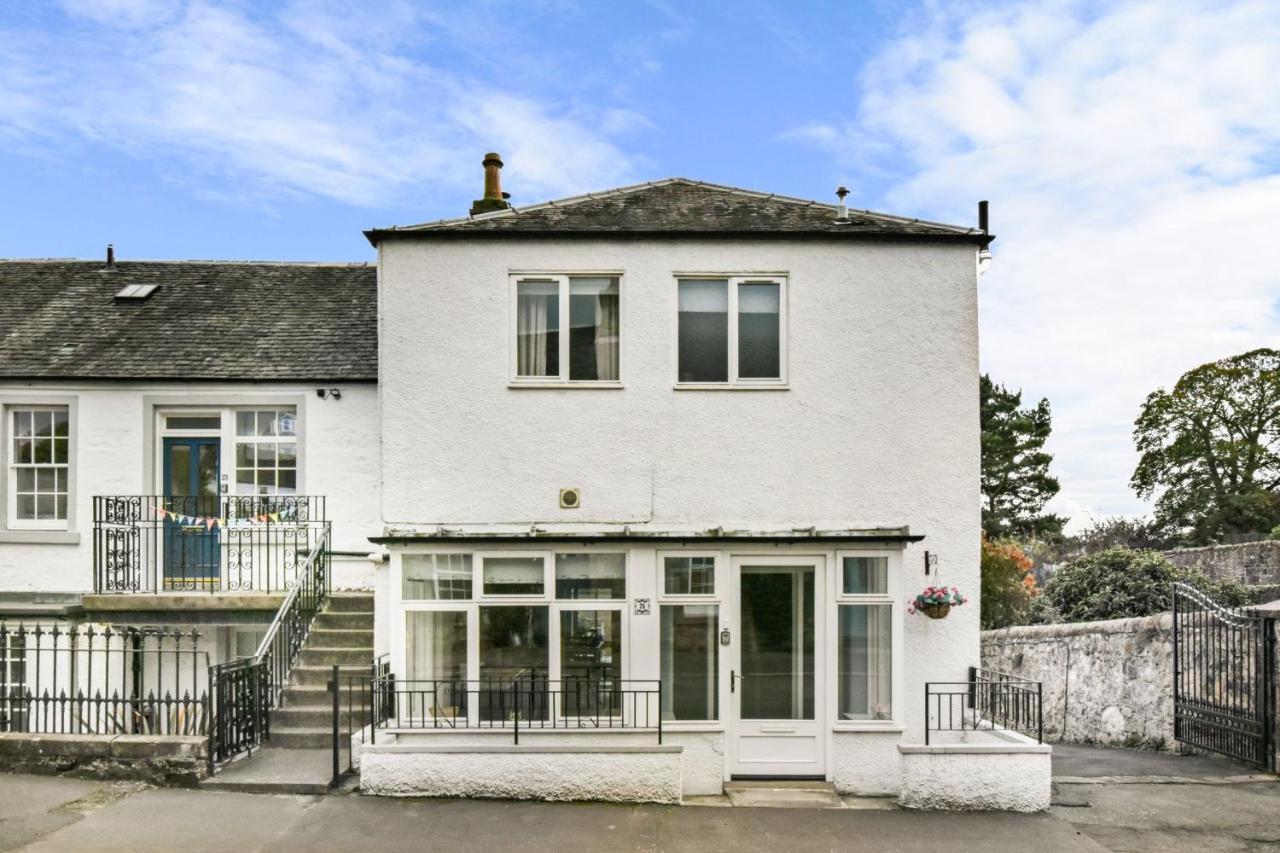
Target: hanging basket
935,611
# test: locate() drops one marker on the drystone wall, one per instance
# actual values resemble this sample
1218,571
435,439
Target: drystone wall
1253,563
1108,682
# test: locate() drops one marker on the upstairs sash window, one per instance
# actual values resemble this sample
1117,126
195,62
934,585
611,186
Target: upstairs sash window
587,350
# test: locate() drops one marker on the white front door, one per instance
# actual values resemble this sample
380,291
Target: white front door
777,687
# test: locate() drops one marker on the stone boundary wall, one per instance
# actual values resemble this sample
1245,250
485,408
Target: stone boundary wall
1108,682
1252,563
160,760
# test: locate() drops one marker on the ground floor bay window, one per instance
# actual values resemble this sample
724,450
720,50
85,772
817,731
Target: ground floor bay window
772,652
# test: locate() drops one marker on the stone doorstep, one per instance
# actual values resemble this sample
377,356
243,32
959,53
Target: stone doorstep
103,746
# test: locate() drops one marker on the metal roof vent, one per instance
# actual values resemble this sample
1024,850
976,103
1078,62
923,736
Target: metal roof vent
136,292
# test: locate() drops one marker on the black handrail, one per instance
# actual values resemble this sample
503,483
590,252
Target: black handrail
247,688
989,701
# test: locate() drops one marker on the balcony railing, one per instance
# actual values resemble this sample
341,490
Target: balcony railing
988,701
207,543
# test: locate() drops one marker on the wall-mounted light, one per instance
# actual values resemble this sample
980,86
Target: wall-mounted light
329,393
984,260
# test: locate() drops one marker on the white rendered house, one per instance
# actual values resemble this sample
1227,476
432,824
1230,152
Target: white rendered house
673,451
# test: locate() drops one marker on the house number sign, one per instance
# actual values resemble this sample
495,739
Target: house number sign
640,606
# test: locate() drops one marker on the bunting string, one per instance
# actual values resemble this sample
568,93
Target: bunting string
211,522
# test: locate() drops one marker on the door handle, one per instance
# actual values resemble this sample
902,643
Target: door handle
733,676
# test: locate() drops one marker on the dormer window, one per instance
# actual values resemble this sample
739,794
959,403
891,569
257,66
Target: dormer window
731,332
566,329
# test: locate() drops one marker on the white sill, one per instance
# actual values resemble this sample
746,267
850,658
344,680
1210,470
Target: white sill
39,536
588,385
728,386
674,727
868,726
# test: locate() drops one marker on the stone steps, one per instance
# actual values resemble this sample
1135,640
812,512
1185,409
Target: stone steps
301,737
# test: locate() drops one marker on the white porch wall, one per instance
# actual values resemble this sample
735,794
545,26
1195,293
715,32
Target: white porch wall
878,428
339,450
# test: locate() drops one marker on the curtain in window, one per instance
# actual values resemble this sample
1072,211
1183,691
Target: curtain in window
866,665
537,308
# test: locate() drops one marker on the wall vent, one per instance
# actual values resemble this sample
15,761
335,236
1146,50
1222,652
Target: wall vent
570,498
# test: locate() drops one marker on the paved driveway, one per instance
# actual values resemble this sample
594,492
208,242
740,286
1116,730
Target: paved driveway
1107,800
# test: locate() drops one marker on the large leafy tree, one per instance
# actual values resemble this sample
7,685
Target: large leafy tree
1008,586
1016,483
1211,449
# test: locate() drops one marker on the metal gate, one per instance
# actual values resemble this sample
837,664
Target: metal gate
1223,678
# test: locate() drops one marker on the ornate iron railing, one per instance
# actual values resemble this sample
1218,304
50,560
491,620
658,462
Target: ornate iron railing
208,543
1223,678
366,703
64,679
989,700
246,689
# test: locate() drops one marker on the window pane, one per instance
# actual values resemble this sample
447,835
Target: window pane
777,654
593,328
43,424
44,506
513,643
866,575
591,662
436,645
44,450
591,576
286,482
22,452
287,453
513,576
60,450
690,662
245,424
436,576
244,454
26,508
865,666
22,424
26,479
61,423
759,341
537,328
704,331
46,480
62,507
689,575
266,455
213,422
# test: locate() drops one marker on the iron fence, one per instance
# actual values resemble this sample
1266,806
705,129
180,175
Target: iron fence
203,543
246,689
990,700
73,679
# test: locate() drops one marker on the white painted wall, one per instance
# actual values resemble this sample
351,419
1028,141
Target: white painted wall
978,771
879,426
339,450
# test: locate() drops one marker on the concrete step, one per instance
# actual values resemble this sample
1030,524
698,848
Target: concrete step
318,676
349,602
275,771
300,737
314,655
342,619
335,638
316,717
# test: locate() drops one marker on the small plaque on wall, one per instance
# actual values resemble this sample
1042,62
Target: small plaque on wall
640,606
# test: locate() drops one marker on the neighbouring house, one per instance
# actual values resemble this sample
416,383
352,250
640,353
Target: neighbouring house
651,475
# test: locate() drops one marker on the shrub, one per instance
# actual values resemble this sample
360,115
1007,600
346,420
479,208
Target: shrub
1119,583
1008,586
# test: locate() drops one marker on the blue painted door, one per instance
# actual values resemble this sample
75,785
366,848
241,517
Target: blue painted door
192,472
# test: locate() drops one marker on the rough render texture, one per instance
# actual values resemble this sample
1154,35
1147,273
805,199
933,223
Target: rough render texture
524,775
1001,781
177,761
867,763
1254,563
883,376
339,460
1107,682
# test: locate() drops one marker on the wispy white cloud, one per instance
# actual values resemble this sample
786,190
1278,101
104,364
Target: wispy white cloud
1132,155
311,99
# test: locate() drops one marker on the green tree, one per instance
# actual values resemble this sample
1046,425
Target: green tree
1119,583
1016,483
1210,449
1007,584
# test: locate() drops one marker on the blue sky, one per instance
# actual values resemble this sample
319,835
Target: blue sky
1130,149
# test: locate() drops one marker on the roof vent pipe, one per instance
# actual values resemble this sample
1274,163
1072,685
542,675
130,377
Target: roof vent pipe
494,197
111,257
841,192
982,217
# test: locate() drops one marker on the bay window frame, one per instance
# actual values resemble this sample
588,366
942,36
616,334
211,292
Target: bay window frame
892,598
734,381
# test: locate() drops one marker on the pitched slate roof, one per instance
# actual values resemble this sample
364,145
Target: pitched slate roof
677,206
208,320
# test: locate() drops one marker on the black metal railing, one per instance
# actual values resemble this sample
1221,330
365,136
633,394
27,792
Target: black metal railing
69,679
246,689
1224,670
988,701
207,543
364,704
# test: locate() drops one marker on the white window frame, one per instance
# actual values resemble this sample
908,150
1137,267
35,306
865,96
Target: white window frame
734,381
27,526
227,439
472,606
718,598
562,380
892,597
